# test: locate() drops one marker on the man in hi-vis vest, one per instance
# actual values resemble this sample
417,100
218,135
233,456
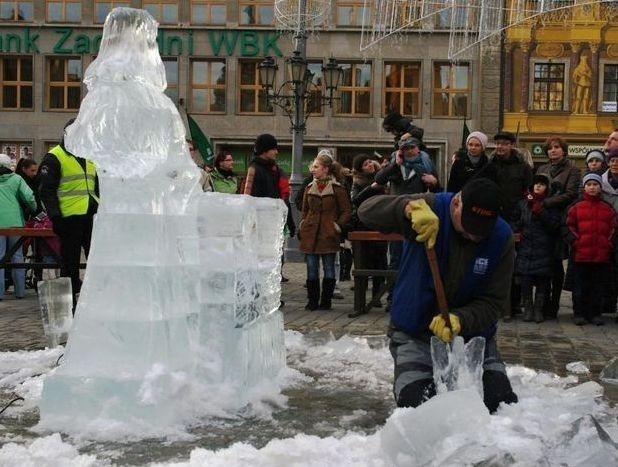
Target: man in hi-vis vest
70,193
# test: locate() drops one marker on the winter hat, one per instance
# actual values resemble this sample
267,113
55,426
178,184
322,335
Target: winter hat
592,177
481,137
327,153
409,142
391,120
357,163
5,161
481,205
264,143
541,178
594,154
507,135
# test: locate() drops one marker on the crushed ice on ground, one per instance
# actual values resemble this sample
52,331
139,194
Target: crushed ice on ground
556,422
578,368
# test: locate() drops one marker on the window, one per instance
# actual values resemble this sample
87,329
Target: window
351,13
208,86
455,16
610,87
16,82
208,11
64,76
65,11
451,89
402,88
548,87
13,10
355,90
252,97
256,12
171,76
164,11
102,9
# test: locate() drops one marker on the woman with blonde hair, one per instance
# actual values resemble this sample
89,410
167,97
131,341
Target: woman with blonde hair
326,209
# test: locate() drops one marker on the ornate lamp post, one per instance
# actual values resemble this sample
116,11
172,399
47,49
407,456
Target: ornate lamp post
293,104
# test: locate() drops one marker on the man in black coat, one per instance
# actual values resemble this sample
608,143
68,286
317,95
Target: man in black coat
509,171
513,175
264,173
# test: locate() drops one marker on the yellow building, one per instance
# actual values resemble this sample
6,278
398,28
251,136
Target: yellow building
561,77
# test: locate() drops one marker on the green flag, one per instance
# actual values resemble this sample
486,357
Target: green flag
200,141
464,134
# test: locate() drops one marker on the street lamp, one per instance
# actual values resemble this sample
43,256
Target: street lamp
298,79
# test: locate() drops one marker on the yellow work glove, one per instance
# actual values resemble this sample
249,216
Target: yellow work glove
424,222
439,328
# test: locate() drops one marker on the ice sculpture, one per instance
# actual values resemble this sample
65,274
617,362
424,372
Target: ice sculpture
180,299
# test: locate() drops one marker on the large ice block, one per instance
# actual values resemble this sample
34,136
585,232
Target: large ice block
178,312
411,435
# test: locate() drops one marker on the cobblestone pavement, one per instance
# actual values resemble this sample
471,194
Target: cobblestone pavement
546,346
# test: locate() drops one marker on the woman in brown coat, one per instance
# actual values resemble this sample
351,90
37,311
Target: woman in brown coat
326,209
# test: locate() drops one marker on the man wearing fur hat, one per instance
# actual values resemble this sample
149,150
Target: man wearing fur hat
263,174
565,179
468,162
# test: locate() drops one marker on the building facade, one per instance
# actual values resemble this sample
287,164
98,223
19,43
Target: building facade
561,77
211,50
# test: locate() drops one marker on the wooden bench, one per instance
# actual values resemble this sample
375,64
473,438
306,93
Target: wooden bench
24,233
359,238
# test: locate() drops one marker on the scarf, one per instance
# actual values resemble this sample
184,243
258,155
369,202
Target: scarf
322,183
226,173
415,163
535,201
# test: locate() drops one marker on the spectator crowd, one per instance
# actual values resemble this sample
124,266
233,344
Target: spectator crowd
560,215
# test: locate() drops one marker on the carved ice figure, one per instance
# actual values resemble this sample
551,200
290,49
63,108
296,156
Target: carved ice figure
160,329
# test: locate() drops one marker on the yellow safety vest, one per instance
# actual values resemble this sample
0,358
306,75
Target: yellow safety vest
76,186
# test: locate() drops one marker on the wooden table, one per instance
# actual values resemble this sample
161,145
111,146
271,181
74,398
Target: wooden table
358,239
24,233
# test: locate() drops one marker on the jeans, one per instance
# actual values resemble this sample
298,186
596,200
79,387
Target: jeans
313,266
19,275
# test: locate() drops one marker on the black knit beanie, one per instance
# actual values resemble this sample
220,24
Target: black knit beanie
263,143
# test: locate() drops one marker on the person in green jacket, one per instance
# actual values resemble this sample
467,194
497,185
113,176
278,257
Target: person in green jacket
15,196
222,176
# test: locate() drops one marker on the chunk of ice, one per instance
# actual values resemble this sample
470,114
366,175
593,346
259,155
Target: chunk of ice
410,435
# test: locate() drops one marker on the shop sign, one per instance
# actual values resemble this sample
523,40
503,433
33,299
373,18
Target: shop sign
580,150
221,42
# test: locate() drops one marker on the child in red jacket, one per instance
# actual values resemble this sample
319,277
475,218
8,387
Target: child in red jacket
592,223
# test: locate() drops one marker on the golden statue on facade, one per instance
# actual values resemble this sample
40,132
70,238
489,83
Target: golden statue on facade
582,80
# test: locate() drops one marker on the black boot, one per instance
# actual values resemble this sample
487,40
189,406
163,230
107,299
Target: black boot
539,316
328,287
528,310
375,291
346,260
313,293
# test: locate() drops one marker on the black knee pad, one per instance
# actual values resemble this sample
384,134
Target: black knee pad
497,388
414,394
